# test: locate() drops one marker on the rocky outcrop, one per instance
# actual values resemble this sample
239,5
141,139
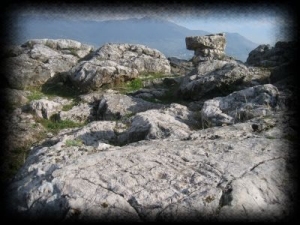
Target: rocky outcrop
206,47
267,56
181,66
114,106
279,59
172,123
117,62
240,106
213,78
220,173
44,108
36,61
224,153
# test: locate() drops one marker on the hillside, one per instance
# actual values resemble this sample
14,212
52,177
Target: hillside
161,34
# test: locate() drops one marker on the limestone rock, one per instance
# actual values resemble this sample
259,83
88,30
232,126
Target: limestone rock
180,66
241,105
44,108
267,56
220,174
212,41
114,106
14,97
117,62
206,47
213,78
38,60
169,123
79,113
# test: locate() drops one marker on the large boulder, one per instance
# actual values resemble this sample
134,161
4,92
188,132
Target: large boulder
211,78
117,62
114,106
206,47
268,56
36,61
241,105
171,122
280,59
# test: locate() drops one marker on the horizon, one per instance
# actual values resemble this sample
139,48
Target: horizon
258,26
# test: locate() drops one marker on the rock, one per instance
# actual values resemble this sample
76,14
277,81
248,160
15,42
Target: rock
148,162
44,108
22,130
114,106
221,174
80,113
172,122
212,41
207,47
150,93
282,72
213,78
180,66
267,56
36,61
117,62
241,105
14,97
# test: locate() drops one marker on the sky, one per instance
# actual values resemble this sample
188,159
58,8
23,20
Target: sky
261,25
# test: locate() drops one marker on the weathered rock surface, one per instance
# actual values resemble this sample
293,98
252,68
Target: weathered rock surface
279,59
81,113
180,66
220,174
171,122
213,77
15,97
267,56
206,47
44,108
241,105
36,61
117,62
113,106
142,161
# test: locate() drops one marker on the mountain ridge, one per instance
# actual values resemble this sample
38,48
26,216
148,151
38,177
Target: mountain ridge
166,36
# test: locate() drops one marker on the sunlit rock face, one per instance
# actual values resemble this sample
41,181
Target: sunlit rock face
118,62
206,47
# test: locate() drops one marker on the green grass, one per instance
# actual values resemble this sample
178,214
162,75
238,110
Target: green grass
134,85
74,142
69,106
55,126
35,94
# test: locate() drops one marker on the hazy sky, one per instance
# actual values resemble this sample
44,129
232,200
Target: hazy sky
262,25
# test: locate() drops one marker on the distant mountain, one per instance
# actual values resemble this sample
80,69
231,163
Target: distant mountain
157,33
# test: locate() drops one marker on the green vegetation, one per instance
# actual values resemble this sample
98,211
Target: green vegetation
60,89
13,161
134,85
55,125
35,94
69,106
75,142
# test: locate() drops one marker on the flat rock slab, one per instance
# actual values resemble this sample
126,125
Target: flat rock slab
220,174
